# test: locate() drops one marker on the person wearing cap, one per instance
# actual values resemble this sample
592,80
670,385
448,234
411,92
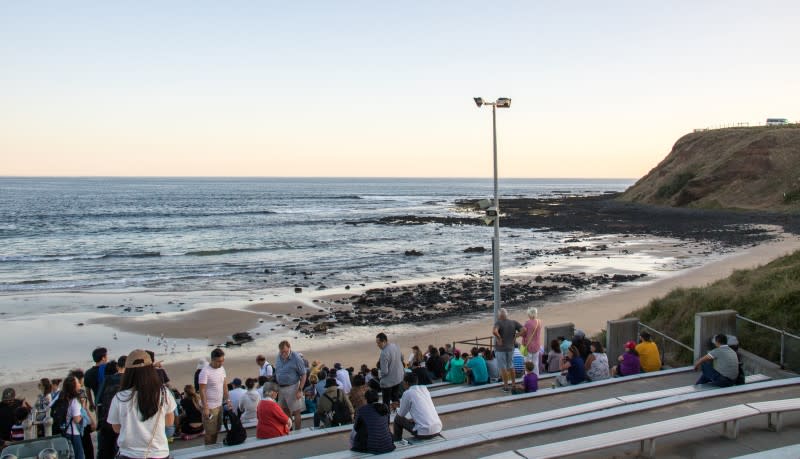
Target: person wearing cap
213,394
236,394
629,363
649,355
325,404
343,376
290,374
720,366
8,409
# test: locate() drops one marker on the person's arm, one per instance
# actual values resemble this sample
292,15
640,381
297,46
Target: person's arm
702,360
203,400
302,382
496,334
405,404
589,361
226,400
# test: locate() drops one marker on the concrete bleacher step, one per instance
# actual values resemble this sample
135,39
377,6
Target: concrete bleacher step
454,439
776,453
647,434
253,443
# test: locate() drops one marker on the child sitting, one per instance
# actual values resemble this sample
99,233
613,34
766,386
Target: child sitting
531,381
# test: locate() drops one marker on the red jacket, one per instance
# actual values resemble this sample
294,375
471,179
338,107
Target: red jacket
271,420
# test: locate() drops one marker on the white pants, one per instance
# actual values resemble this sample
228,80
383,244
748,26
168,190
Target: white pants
536,358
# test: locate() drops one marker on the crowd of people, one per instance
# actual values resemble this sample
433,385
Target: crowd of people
136,412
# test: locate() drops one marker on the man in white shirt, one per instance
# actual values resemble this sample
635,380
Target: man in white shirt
264,367
237,393
343,378
213,394
416,412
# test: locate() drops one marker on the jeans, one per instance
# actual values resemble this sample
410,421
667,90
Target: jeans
712,376
106,442
77,445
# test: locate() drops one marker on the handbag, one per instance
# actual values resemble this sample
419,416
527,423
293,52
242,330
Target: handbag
523,349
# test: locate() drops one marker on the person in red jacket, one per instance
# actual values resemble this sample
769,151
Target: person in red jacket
272,421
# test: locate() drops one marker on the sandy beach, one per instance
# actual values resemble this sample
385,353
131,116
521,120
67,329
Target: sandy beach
353,346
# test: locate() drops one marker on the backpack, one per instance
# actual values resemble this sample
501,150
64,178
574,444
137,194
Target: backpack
58,411
110,388
236,432
339,414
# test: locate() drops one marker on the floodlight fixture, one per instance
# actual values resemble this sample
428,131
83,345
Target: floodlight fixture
503,102
478,101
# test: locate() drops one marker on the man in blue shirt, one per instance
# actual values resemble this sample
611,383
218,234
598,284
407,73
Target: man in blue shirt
290,374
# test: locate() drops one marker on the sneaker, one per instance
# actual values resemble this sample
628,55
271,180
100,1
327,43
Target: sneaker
401,443
505,389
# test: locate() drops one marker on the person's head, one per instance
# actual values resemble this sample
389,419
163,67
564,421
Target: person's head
261,360
573,352
285,349
533,313
358,380
630,346
70,388
579,335
381,340
331,382
250,383
720,339
410,379
561,339
434,352
262,380
21,414
596,347
555,346
236,383
313,378
217,358
456,353
528,366
474,351
45,386
189,391
323,374
111,368
371,396
645,336
78,373
503,314
100,355
121,363
337,366
47,453
270,390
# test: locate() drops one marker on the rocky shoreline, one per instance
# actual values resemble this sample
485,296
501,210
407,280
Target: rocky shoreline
604,214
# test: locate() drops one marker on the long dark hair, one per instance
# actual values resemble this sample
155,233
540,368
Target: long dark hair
70,387
145,384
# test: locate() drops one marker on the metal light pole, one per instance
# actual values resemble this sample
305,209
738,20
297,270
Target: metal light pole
494,210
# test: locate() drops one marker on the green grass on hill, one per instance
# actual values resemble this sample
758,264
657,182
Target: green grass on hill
769,294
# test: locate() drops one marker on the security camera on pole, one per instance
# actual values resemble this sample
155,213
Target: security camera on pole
493,208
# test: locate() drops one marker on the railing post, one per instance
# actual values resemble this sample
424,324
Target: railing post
783,344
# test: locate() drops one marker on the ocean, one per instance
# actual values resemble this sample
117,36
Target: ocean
189,234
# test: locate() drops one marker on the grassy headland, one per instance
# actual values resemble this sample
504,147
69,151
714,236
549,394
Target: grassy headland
769,294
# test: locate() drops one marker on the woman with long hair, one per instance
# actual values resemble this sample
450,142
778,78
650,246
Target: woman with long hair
70,391
141,410
192,417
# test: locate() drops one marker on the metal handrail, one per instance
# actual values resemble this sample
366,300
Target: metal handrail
783,334
667,337
476,342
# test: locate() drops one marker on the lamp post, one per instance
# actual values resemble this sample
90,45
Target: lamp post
493,212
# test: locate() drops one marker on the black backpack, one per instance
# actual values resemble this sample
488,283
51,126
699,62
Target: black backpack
339,414
236,433
58,411
110,388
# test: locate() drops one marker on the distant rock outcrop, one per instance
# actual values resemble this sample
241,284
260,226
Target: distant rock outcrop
754,168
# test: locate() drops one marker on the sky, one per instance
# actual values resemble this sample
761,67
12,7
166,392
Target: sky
382,89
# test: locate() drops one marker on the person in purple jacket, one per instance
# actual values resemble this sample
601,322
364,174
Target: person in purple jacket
531,381
628,362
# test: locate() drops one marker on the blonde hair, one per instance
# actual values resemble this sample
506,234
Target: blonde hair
533,312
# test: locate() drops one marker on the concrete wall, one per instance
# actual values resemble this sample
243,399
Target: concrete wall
618,332
552,332
708,324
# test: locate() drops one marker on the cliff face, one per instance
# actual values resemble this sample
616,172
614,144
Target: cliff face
735,168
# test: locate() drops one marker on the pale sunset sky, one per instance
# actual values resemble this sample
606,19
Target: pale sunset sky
364,88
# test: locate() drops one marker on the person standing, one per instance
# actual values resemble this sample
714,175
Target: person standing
391,369
532,339
94,376
142,410
290,374
213,394
106,437
505,332
264,367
